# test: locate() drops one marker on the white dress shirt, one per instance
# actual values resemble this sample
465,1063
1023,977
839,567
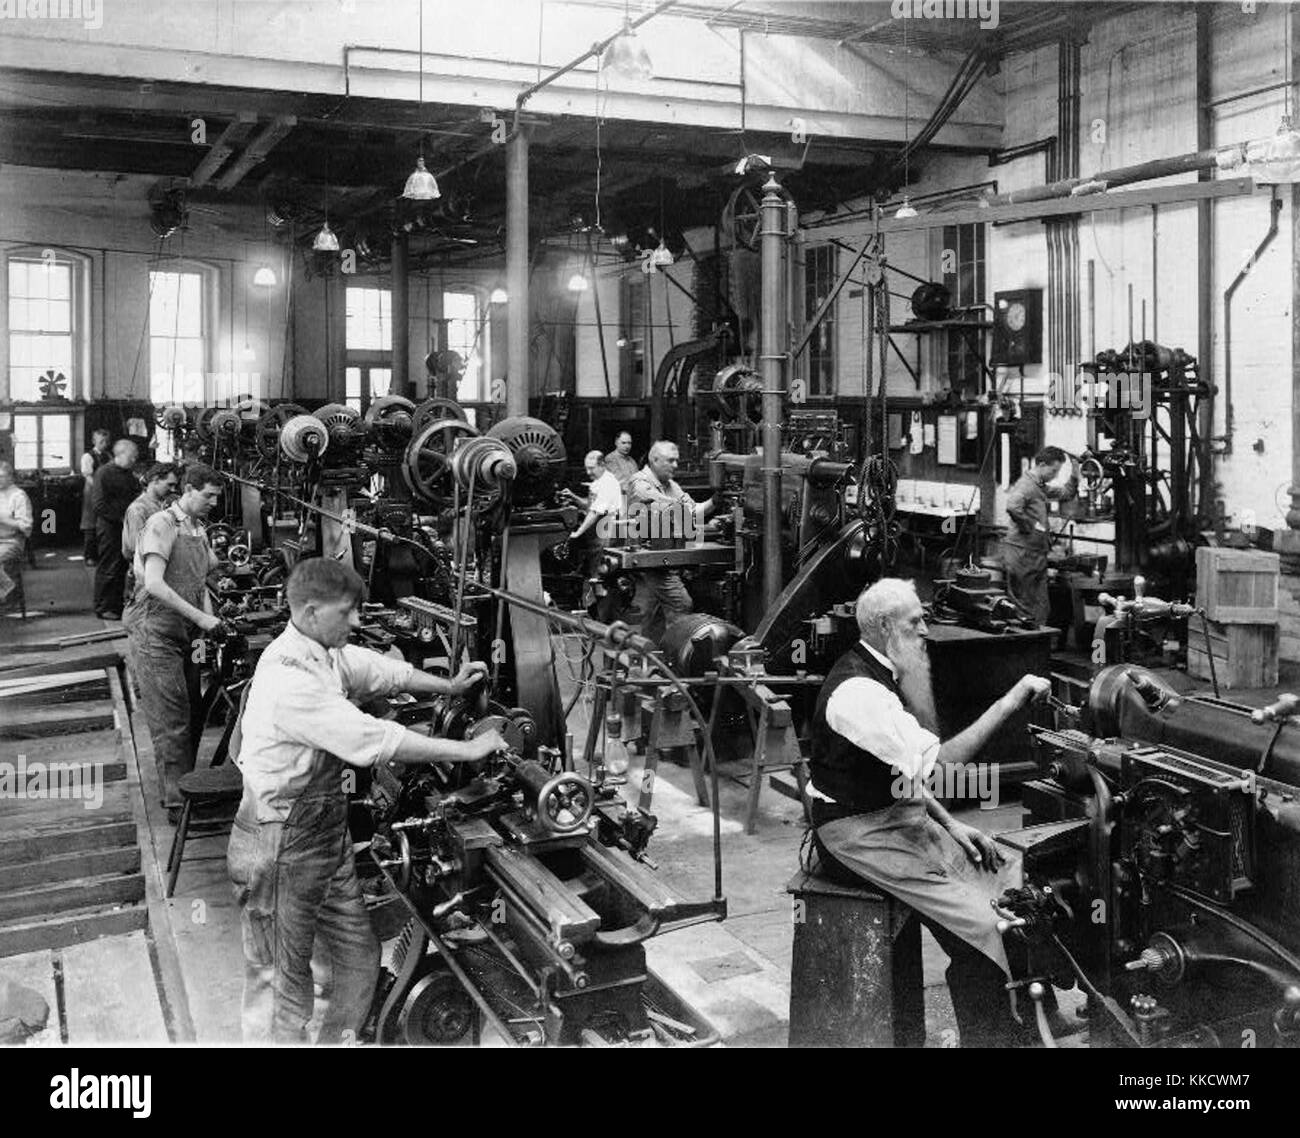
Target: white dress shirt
606,496
872,717
299,707
15,521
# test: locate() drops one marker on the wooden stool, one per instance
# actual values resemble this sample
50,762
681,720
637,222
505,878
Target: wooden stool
856,978
214,791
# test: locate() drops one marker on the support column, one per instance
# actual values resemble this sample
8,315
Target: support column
772,357
517,307
399,380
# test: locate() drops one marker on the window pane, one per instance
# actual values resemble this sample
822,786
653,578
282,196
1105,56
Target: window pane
464,336
18,314
56,442
369,319
191,305
58,316
59,281
380,378
25,442
18,278
177,350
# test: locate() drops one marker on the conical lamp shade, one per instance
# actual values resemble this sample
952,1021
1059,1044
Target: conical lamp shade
325,241
421,186
627,57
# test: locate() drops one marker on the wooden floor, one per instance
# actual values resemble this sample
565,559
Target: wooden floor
74,913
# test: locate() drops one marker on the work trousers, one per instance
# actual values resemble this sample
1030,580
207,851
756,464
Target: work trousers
110,572
301,911
662,598
168,679
1027,580
90,545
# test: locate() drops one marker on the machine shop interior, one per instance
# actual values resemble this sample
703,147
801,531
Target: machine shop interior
808,495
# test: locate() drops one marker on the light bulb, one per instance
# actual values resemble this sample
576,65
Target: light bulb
499,296
905,211
264,277
578,283
662,256
1279,161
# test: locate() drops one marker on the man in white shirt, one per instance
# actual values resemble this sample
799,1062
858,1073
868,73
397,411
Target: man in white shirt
875,818
604,501
290,855
15,529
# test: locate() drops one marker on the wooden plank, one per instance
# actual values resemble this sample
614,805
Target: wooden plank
110,993
70,928
42,813
10,686
68,719
13,703
93,745
60,662
69,867
50,899
105,836
35,970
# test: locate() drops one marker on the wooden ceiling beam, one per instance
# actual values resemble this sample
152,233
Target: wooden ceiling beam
257,150
236,131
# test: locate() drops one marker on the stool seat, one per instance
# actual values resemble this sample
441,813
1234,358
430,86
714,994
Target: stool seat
202,789
855,973
215,783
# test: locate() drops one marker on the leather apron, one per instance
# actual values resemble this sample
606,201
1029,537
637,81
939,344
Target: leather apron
907,853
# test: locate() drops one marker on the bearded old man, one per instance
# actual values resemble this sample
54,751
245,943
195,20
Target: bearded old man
875,819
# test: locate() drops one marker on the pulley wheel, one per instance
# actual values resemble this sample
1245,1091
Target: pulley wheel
304,437
564,804
437,1011
271,424
426,469
340,419
431,410
171,417
203,423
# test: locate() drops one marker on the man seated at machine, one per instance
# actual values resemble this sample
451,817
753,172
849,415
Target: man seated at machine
659,507
290,856
874,817
15,529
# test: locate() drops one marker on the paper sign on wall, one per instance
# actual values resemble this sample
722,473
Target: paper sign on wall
918,434
948,440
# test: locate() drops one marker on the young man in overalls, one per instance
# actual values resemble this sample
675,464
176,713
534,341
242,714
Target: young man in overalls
290,857
875,818
169,612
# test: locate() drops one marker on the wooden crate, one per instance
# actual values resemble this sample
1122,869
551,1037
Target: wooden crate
1237,586
1245,655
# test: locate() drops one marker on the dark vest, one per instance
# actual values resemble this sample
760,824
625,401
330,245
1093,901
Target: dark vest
857,780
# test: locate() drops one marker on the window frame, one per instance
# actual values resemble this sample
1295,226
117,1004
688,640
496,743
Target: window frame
209,310
41,413
80,385
822,353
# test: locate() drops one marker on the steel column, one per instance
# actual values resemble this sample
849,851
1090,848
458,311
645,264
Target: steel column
399,378
517,307
772,369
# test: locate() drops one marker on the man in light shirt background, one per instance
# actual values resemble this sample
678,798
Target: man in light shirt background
290,856
872,733
619,462
15,529
597,529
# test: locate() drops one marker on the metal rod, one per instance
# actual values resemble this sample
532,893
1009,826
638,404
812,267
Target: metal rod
400,376
518,309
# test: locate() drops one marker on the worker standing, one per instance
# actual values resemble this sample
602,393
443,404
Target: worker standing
115,489
619,462
290,857
91,461
170,610
159,489
659,507
1025,548
604,504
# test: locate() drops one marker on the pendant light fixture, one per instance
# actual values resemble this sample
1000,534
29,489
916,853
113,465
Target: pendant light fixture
627,55
421,186
499,296
326,241
1278,160
905,210
264,277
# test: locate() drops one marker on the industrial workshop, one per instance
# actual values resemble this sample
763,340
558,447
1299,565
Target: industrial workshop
650,524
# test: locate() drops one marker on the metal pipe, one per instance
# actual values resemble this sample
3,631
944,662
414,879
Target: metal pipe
400,376
595,49
771,367
1204,268
517,307
1121,176
1275,208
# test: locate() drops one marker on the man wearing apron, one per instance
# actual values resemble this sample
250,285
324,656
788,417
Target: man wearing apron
874,817
168,613
290,858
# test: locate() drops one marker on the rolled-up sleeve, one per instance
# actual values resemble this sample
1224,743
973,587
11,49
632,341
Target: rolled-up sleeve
367,674
305,713
873,718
